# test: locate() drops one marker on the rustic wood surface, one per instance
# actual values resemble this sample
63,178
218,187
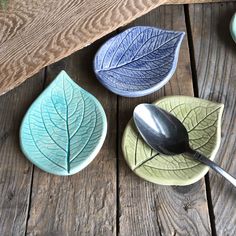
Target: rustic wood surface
215,56
146,208
106,198
15,170
34,34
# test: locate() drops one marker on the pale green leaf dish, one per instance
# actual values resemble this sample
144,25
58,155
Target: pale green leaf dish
233,27
202,119
3,4
64,128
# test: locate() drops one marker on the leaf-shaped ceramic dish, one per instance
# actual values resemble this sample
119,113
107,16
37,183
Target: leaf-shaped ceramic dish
233,27
201,118
3,4
64,128
138,61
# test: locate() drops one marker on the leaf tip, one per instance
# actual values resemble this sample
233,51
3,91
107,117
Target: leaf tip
63,76
182,34
63,73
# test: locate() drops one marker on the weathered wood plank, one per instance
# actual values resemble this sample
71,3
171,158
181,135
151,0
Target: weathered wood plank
145,208
215,55
35,33
15,170
85,203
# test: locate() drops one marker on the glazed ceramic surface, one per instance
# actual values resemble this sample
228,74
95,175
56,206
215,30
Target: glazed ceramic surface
202,120
233,27
64,128
138,61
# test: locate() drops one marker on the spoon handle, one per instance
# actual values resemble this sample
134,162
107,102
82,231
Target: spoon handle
198,156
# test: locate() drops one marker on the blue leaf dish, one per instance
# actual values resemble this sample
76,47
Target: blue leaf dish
138,61
64,128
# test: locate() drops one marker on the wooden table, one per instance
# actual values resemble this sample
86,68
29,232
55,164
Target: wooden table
106,198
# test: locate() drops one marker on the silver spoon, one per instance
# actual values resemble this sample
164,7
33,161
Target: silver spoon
166,134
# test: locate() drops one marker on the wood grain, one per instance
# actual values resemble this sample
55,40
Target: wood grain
15,170
146,208
215,56
35,33
85,203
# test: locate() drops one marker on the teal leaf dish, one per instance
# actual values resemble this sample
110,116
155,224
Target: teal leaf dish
138,61
64,128
233,27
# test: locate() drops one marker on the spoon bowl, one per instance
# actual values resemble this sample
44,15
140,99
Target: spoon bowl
168,138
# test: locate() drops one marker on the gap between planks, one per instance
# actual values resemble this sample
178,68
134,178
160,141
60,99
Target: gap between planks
32,172
196,94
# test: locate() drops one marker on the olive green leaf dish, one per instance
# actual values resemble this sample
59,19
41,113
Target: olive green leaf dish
64,128
201,118
233,27
3,4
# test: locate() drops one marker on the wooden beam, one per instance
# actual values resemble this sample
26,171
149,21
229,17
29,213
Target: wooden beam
34,34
